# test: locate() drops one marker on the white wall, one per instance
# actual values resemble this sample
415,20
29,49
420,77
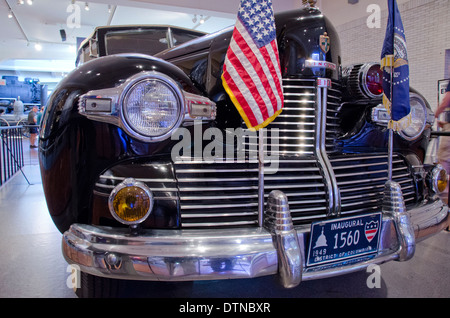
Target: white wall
427,28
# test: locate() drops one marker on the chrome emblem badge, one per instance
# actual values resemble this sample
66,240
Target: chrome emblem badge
324,42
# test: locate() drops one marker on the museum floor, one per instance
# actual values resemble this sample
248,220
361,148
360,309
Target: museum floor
31,264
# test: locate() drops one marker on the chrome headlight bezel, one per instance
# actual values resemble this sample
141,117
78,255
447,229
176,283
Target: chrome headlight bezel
419,116
107,105
151,78
380,116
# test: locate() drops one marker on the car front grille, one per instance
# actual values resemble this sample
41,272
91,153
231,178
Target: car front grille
226,194
318,180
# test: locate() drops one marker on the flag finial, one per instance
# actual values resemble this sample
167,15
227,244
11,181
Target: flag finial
311,3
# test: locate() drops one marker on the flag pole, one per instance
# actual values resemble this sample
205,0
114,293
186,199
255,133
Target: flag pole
391,125
261,177
391,129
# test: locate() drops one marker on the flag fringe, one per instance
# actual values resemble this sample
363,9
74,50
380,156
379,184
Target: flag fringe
396,125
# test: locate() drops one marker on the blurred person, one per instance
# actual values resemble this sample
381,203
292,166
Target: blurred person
32,121
39,115
18,108
444,141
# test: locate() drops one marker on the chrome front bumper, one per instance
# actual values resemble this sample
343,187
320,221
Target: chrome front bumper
278,248
182,255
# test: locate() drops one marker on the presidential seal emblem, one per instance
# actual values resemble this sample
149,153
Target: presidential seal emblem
401,56
324,42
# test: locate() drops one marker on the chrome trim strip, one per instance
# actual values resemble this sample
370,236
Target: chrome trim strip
187,198
218,215
321,123
219,224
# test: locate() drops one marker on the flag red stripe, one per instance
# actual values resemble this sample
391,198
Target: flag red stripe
252,87
240,98
277,72
248,86
247,80
267,64
273,70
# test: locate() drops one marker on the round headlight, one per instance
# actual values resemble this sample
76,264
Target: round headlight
418,118
152,106
130,202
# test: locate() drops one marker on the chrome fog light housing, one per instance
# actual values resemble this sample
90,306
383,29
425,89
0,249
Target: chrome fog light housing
438,179
131,202
152,106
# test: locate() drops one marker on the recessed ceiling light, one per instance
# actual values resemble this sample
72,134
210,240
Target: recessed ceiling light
38,47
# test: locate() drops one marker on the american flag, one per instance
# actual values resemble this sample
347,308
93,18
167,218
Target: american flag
251,72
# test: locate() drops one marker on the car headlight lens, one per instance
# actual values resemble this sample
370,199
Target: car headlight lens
372,80
152,107
363,81
418,118
439,179
130,202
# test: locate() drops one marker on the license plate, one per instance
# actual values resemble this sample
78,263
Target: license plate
344,238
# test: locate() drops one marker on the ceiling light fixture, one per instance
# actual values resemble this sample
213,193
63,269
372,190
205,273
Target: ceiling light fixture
10,14
20,2
202,19
38,47
194,20
29,2
86,6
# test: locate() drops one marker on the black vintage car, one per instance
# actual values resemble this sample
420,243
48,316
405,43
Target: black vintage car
150,173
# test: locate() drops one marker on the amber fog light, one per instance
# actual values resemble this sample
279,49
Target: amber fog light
439,179
131,202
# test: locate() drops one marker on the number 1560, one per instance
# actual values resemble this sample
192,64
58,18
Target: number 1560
346,239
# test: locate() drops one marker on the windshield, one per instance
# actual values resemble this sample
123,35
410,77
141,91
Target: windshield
145,41
140,41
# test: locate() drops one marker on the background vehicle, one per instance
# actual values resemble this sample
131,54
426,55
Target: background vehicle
31,93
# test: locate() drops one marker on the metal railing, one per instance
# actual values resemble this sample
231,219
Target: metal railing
11,152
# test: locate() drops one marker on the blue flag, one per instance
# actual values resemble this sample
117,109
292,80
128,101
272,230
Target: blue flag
394,55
